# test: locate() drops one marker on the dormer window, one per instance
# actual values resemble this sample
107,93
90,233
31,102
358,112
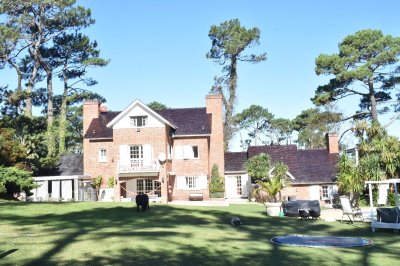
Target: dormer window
138,121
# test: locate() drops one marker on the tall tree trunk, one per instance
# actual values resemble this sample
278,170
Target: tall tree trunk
51,140
374,111
63,116
228,130
18,94
29,90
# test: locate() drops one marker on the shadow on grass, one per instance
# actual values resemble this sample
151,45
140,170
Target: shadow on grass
6,253
162,225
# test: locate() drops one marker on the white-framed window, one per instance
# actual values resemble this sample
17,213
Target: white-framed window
136,155
102,155
186,152
239,185
325,192
191,181
147,186
138,121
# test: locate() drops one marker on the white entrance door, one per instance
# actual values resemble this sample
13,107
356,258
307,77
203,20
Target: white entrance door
314,192
236,186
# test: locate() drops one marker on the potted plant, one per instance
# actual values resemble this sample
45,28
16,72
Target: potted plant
270,180
216,186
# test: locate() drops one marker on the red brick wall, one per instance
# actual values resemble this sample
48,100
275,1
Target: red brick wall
190,167
91,164
90,111
214,106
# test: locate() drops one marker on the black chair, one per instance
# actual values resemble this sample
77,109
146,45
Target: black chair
315,214
304,214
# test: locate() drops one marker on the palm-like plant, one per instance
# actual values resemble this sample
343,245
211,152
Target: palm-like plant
270,182
349,178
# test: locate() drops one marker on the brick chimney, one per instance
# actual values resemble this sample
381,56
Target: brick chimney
332,142
214,107
90,111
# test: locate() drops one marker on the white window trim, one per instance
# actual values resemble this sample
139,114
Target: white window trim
329,190
186,152
102,159
133,120
200,182
195,181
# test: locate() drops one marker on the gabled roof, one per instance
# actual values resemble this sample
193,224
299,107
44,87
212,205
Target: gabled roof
145,107
188,121
306,166
185,121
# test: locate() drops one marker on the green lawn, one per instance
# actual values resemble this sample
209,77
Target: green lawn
115,234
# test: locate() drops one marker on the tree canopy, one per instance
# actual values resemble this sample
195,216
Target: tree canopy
312,125
366,66
157,105
39,40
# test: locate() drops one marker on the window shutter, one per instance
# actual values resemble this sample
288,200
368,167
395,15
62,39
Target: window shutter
188,152
181,182
202,182
147,155
178,152
124,155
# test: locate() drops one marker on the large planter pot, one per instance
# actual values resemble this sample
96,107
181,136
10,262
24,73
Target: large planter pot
216,195
273,208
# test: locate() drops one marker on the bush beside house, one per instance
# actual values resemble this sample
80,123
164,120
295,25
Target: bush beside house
216,186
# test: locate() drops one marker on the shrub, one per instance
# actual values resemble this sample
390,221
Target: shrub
13,181
110,182
216,182
96,183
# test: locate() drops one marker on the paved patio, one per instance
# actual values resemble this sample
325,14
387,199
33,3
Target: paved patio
327,214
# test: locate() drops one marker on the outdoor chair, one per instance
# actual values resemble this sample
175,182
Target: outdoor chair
304,214
349,211
315,214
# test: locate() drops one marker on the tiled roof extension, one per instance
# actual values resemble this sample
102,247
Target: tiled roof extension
235,161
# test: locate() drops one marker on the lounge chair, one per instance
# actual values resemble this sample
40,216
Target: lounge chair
349,211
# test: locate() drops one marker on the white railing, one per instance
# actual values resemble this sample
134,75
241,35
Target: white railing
137,165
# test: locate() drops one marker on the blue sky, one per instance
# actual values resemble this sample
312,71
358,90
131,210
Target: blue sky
157,48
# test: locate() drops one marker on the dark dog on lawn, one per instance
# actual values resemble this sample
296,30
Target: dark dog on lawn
142,200
235,221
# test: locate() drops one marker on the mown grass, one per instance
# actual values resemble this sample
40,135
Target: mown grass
115,234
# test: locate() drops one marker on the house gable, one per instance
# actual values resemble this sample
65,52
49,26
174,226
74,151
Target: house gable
138,109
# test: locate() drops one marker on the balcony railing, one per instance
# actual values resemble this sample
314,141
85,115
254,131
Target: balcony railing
138,165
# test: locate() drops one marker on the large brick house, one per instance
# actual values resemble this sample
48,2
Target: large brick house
168,152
